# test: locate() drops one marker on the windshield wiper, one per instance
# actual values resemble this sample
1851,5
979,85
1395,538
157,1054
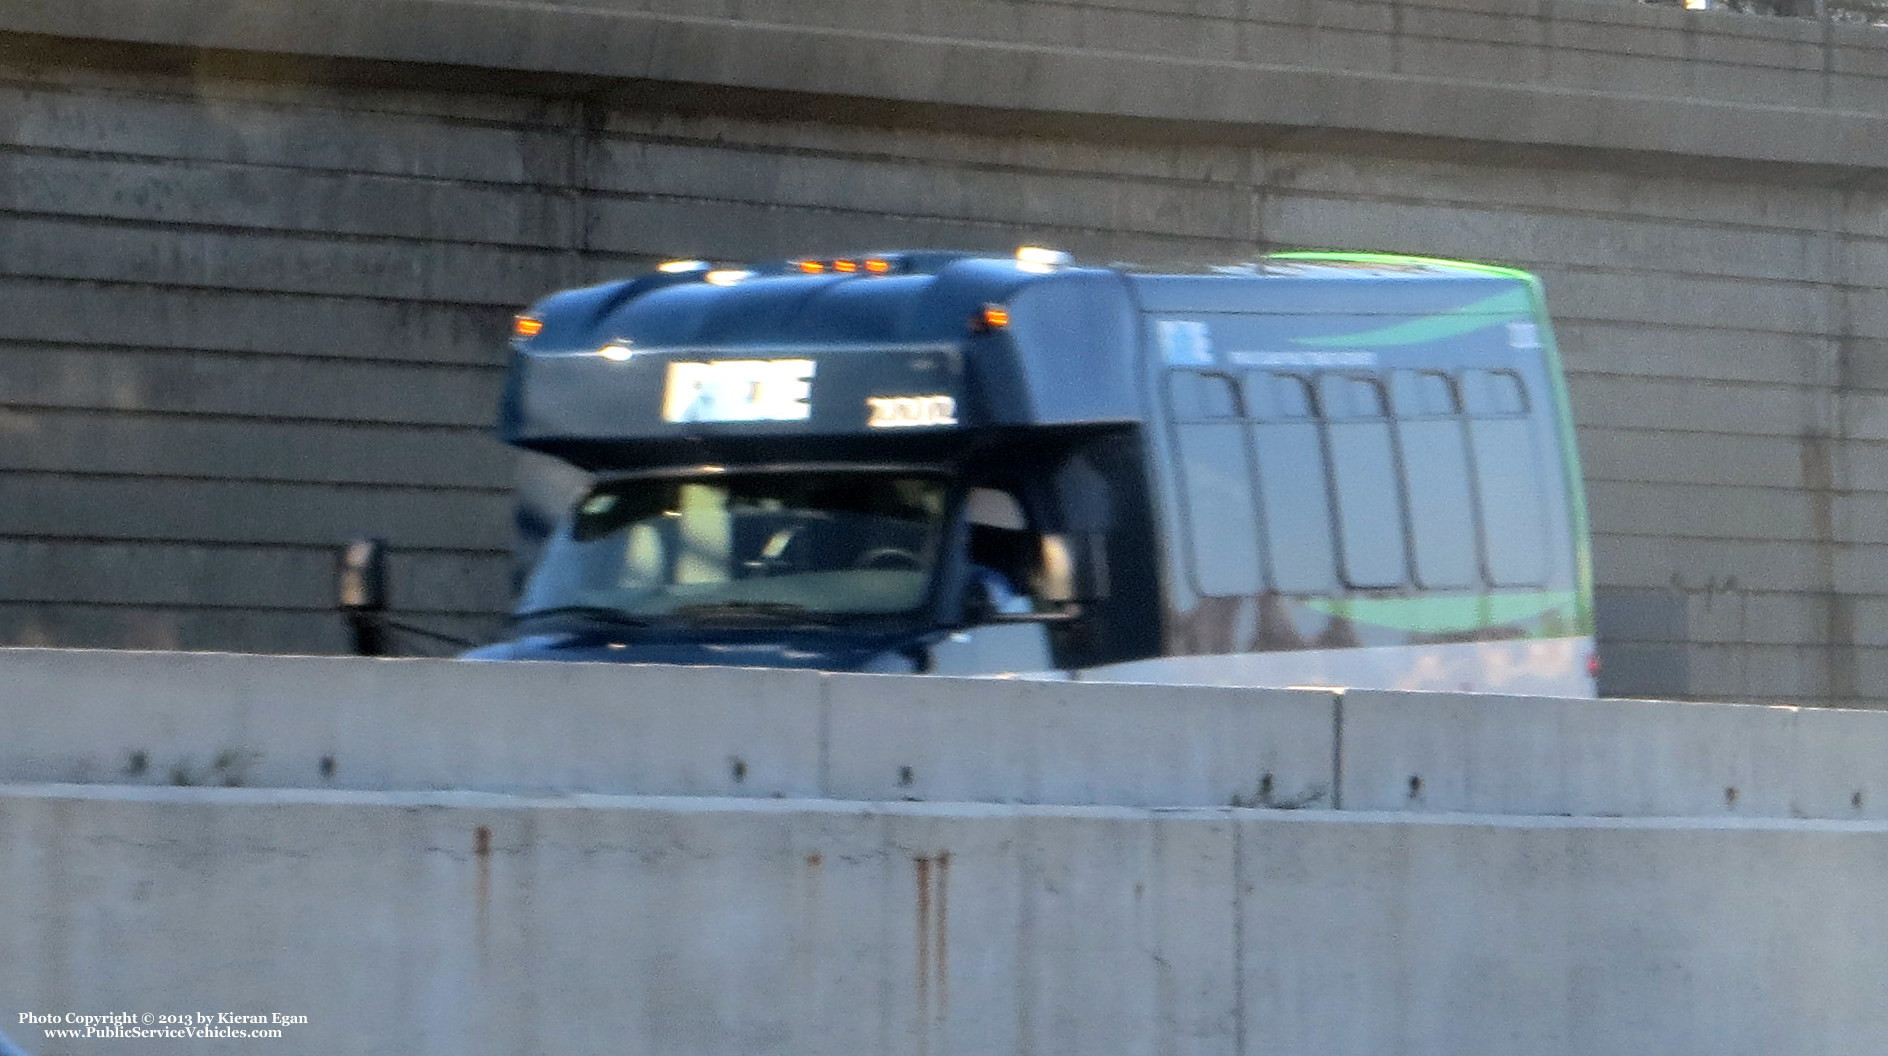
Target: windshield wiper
599,613
783,611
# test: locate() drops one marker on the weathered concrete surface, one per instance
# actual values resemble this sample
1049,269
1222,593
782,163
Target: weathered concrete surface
1495,73
77,716
349,723
1635,758
479,925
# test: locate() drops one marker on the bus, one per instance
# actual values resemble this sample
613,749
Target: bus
1309,469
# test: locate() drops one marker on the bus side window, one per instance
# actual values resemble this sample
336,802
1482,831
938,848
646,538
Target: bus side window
1294,498
1436,478
1509,486
1216,483
1363,476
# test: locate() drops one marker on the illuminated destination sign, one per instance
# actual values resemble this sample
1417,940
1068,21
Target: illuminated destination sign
739,390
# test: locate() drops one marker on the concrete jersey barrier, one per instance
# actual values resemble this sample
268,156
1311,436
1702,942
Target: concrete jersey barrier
96,717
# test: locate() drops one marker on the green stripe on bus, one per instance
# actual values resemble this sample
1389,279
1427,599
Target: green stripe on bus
1449,614
1506,307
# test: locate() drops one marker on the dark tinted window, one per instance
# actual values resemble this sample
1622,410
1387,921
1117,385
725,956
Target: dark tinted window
1222,533
1297,506
1424,394
1348,396
1508,478
1363,476
1493,392
1197,395
1436,475
1279,397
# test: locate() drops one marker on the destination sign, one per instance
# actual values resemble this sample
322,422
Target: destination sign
739,390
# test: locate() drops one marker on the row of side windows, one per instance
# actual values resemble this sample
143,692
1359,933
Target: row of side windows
1311,483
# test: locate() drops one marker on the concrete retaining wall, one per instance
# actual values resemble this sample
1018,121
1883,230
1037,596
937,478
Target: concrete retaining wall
476,925
259,257
446,863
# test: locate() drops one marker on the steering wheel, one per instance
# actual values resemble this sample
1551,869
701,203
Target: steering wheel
889,557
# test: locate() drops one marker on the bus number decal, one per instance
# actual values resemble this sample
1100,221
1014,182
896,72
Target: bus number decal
900,412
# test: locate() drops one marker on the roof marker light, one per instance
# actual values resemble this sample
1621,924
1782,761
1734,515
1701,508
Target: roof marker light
846,266
811,267
726,277
526,326
878,267
677,267
1039,258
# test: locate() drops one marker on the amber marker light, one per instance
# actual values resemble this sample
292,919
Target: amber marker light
525,326
846,266
992,317
811,267
878,267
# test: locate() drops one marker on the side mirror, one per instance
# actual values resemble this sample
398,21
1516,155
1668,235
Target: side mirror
1074,568
360,588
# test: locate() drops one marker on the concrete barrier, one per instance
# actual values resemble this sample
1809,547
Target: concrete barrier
1594,758
345,723
1100,868
348,723
474,924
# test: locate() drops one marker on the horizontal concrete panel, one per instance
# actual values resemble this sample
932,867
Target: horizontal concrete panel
133,314
1182,35
366,724
254,449
1590,346
1674,299
977,19
876,738
71,249
1678,405
667,228
1708,511
942,146
1056,742
1555,937
198,718
1597,192
224,195
1433,56
62,505
1719,617
273,386
1272,43
1801,675
1861,518
1518,755
1650,455
1709,564
822,59
1470,22
484,138
252,576
922,189
721,927
1644,670
677,925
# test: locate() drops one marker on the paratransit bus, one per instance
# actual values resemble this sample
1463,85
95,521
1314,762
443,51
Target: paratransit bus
1325,469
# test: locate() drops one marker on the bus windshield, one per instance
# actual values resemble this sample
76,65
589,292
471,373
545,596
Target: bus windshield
737,548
